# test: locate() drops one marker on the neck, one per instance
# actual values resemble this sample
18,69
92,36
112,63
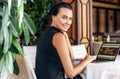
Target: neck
52,24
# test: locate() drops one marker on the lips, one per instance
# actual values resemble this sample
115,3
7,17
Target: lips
66,28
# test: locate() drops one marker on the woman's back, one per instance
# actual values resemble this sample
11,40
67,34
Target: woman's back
48,64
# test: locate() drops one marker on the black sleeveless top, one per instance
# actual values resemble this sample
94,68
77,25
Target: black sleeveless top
48,64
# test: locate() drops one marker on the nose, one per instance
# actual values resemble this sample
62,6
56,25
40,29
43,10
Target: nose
69,22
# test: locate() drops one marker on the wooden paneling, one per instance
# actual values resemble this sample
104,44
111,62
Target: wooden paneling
111,21
102,20
118,20
85,23
107,19
81,30
109,1
94,20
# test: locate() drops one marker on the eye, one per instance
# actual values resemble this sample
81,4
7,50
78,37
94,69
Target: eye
70,19
64,17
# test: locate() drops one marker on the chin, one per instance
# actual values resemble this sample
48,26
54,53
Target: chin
66,30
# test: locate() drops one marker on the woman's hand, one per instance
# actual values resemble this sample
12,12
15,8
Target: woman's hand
88,58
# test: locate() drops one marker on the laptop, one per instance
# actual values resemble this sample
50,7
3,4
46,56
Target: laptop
108,52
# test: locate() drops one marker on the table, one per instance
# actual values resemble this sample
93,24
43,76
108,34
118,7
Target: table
103,70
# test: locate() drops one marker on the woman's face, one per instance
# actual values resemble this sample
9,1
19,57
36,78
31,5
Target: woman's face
63,19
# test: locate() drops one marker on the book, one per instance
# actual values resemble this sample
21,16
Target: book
79,51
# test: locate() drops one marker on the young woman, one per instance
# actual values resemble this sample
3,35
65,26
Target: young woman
54,55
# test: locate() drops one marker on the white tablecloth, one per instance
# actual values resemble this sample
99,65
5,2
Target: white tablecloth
103,70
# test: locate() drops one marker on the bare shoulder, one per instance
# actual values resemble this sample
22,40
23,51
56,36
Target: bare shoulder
59,35
58,39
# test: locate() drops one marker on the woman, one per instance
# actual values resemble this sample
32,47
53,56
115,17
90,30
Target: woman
54,55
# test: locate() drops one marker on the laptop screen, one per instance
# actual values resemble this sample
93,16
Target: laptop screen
108,51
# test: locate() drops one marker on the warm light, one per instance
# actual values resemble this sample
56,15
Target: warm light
108,38
92,38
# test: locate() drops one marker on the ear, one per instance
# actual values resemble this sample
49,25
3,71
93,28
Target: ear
53,17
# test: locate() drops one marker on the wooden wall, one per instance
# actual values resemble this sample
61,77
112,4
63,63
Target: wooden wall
106,17
81,29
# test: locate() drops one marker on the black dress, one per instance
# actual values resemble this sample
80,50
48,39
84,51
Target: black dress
48,64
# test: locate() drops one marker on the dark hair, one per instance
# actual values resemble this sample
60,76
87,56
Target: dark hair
55,9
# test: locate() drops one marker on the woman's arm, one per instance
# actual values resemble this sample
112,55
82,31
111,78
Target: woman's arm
59,41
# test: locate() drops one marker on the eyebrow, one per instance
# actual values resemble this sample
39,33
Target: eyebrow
66,16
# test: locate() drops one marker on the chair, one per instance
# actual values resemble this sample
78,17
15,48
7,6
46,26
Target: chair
30,52
26,70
